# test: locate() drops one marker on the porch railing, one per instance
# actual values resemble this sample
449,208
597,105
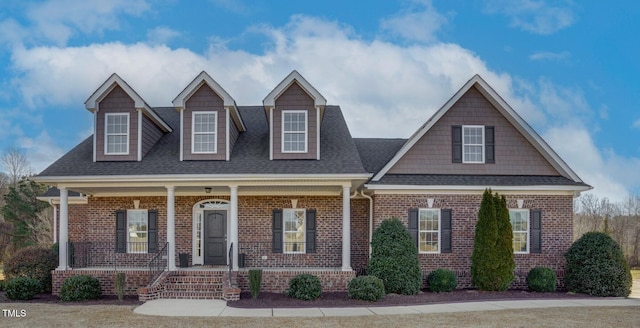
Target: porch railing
91,254
159,263
261,254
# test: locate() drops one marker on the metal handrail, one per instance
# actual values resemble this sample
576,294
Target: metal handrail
230,262
156,266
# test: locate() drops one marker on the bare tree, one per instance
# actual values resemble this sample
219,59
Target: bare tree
15,165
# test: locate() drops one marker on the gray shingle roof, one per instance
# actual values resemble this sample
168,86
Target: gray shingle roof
376,152
250,155
474,180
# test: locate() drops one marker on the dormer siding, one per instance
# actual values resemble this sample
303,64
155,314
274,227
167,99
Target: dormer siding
205,100
116,102
294,98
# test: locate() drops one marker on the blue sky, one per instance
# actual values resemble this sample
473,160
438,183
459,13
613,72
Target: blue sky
569,68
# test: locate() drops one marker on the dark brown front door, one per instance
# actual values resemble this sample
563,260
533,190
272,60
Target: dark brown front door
215,237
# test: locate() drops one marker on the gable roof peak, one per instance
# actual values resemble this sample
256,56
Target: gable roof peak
294,76
203,78
115,80
505,109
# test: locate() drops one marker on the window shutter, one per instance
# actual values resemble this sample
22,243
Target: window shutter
456,144
311,231
413,225
277,232
489,145
445,230
152,231
536,231
121,231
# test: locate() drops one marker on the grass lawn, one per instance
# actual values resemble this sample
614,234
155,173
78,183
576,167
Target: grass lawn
54,315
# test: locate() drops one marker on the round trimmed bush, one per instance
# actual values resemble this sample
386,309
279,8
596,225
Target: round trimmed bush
541,280
596,266
394,258
33,262
80,288
22,288
366,288
442,280
305,287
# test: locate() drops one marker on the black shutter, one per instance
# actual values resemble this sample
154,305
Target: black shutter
152,231
311,231
456,144
121,231
277,232
536,231
445,230
489,145
413,225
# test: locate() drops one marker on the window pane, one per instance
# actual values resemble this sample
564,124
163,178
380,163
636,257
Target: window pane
429,225
473,144
294,231
138,236
520,224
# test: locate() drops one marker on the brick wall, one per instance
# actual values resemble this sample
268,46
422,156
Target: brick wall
134,280
557,231
277,281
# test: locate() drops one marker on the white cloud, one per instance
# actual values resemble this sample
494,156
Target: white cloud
535,16
57,21
602,171
636,124
161,35
419,22
41,150
547,55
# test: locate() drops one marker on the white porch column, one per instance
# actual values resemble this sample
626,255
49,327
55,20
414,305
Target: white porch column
64,228
346,228
171,227
233,224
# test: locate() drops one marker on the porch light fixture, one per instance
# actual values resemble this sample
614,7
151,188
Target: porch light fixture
136,203
207,190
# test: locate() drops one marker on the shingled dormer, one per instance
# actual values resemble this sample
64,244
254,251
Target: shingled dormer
294,111
125,127
210,120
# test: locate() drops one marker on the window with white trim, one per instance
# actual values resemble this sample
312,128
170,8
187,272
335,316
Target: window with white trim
294,229
203,132
137,231
520,225
473,144
294,131
116,134
429,230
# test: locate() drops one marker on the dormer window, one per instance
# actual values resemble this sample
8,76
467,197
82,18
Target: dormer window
472,144
204,138
116,134
294,131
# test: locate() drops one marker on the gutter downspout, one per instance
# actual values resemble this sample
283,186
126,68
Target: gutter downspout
370,217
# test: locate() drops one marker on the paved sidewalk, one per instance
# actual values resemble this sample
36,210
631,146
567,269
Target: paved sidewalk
217,308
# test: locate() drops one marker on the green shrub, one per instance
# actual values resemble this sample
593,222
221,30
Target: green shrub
596,266
492,261
255,282
2,282
80,288
442,280
33,262
120,284
541,280
366,288
22,288
305,287
394,258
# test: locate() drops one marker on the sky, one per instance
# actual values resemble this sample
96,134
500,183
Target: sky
569,68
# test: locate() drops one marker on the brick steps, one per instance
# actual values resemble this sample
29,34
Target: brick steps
187,285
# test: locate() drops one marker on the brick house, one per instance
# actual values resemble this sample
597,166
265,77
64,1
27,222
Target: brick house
186,197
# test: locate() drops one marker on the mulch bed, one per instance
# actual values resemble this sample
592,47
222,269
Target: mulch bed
277,300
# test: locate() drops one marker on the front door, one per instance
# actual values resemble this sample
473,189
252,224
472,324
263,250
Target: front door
215,237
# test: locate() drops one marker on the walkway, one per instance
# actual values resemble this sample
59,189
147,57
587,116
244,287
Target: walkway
217,308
